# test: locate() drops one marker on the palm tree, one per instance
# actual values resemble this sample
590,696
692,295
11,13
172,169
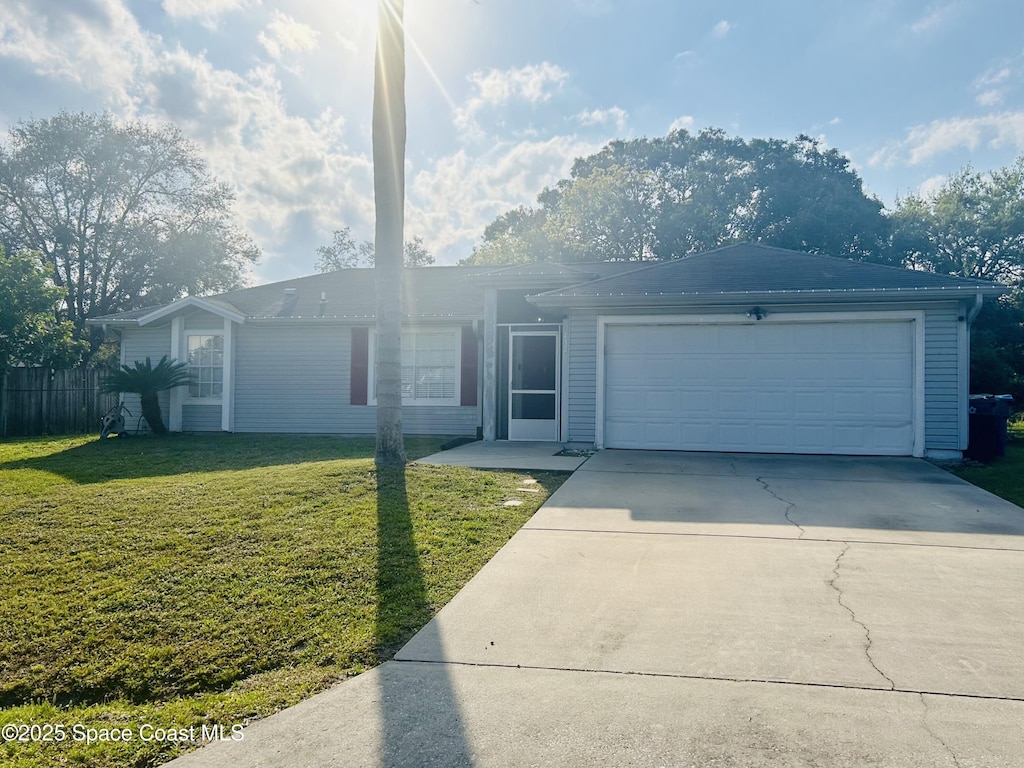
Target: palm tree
389,202
148,381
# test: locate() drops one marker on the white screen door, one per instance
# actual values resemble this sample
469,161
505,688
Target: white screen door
533,402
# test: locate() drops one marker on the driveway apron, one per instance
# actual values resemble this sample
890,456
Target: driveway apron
669,609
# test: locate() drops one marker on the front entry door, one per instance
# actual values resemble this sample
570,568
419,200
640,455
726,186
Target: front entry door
533,402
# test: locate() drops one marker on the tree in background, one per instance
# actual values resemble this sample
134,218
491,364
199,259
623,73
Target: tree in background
30,332
124,215
668,197
973,226
389,204
345,253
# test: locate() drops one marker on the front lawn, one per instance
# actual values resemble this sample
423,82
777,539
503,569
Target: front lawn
1005,475
199,581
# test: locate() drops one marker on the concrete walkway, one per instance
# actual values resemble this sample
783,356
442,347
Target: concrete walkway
503,454
706,610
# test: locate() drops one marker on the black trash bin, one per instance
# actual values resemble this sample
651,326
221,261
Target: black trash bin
987,424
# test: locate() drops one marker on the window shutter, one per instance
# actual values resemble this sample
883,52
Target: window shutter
360,366
470,366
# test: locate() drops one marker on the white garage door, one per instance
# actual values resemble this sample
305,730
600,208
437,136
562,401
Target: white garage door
843,388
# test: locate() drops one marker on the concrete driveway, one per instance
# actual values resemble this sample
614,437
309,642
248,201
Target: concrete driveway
707,610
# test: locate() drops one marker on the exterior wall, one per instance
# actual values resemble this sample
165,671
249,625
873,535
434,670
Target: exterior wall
581,361
138,344
942,401
203,320
296,378
942,405
200,418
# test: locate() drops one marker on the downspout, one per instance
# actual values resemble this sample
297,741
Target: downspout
978,301
965,390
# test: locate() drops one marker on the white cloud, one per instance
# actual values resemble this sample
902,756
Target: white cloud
532,84
614,115
835,121
991,98
934,18
924,142
451,202
284,35
97,46
992,85
931,185
721,29
683,122
203,9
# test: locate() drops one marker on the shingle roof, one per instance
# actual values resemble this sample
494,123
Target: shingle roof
457,292
760,269
429,292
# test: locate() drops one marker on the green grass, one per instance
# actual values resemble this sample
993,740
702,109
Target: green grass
1005,476
191,580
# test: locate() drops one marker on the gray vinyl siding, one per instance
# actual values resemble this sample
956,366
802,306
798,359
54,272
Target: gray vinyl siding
942,378
203,321
136,345
201,418
582,362
297,379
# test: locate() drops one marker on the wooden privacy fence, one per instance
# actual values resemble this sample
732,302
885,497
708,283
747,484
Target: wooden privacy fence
38,401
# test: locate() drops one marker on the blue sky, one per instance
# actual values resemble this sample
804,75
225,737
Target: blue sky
504,94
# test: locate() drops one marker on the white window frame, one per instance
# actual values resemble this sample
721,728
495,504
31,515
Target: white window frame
371,374
214,399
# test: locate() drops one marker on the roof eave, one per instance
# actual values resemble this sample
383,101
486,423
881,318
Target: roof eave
741,297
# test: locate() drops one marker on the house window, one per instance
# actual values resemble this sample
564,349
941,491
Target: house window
206,366
430,367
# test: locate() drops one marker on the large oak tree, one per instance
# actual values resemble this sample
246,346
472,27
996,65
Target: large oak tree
664,198
124,215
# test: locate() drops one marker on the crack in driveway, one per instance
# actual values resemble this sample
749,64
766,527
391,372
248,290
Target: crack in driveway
853,616
790,505
934,735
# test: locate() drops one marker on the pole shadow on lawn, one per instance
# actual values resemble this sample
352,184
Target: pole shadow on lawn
420,717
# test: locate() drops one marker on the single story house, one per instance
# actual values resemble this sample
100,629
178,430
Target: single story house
744,348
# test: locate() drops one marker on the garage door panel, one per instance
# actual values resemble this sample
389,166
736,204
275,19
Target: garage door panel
731,369
892,406
810,370
777,402
893,371
813,438
786,387
660,404
732,339
774,438
733,436
814,404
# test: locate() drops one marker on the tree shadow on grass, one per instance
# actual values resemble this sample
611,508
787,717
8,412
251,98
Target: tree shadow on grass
420,718
119,458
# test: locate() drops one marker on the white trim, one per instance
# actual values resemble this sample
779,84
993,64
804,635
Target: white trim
563,433
371,373
178,395
915,316
540,433
187,399
963,351
227,411
189,301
